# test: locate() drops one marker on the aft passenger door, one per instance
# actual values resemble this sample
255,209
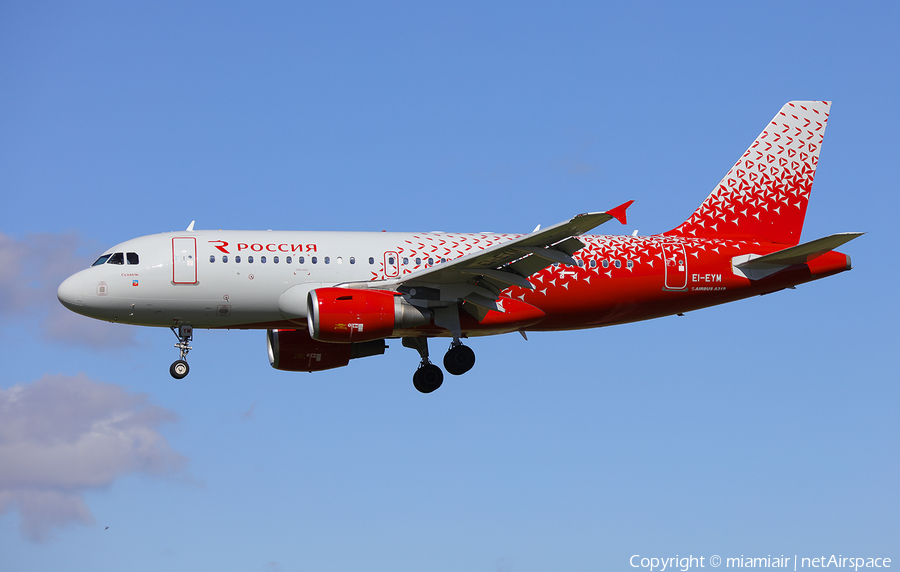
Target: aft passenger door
184,260
675,260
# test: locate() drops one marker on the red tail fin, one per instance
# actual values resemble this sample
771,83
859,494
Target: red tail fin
764,196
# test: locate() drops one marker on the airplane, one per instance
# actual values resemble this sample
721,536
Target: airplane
325,298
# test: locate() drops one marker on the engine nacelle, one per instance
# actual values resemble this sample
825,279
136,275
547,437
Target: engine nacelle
294,350
350,315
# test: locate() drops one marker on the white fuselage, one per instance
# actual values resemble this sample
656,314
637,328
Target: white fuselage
238,279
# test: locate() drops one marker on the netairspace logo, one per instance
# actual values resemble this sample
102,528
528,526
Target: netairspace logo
685,563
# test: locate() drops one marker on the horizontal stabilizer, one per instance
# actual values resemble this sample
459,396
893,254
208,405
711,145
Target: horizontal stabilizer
756,267
800,254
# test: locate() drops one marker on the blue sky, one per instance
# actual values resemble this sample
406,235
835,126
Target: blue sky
763,427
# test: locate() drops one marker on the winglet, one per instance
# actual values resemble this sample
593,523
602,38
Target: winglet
619,212
190,227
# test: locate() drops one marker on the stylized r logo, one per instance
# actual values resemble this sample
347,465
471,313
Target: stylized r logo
221,246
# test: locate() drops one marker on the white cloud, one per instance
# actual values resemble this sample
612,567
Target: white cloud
14,293
61,436
32,269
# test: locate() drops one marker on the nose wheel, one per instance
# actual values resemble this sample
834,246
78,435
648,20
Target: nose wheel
180,368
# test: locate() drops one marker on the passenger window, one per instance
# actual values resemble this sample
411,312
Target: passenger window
315,259
262,259
430,260
275,260
132,257
352,260
327,260
249,260
443,260
581,264
237,259
606,264
593,263
212,257
618,264
371,260
224,258
301,259
405,261
117,258
630,264
391,260
418,261
287,259
101,260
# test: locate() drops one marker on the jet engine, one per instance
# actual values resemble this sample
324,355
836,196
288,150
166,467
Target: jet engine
350,315
294,350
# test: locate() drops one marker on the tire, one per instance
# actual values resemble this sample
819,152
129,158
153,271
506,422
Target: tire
459,359
428,378
179,369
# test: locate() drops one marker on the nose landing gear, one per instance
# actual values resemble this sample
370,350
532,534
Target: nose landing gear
180,368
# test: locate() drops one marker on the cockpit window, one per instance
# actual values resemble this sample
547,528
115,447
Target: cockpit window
102,260
131,257
117,258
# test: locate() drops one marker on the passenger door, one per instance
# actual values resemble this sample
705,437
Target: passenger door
184,260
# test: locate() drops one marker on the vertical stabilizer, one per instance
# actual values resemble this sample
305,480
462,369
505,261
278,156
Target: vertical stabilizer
764,196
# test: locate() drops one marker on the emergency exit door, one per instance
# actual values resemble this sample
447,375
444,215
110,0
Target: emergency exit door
391,264
184,260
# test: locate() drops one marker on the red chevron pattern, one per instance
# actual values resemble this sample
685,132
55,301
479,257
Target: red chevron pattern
766,193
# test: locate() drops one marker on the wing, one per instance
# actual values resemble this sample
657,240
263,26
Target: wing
476,280
510,263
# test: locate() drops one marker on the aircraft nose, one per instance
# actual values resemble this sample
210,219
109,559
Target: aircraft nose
70,293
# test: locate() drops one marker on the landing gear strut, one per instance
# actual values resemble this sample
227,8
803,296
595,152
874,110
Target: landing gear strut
180,367
429,376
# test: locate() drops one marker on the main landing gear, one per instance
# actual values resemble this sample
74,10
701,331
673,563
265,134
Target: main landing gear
458,360
180,367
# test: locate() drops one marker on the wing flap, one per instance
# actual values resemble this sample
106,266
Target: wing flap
550,254
502,276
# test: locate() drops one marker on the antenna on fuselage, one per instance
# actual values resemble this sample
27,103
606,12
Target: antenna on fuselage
190,227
